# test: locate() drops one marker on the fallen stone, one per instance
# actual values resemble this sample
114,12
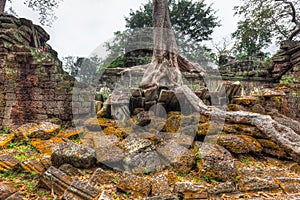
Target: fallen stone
189,190
136,92
137,185
8,162
32,165
180,158
15,196
248,184
70,133
70,170
271,148
98,124
46,146
100,177
222,188
45,130
173,122
5,139
105,196
80,190
144,162
160,186
151,94
74,154
163,197
6,190
216,162
239,143
25,130
133,143
107,152
46,162
55,180
289,185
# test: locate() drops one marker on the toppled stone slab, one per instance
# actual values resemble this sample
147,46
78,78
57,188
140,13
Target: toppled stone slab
227,187
105,196
46,146
271,148
160,186
216,162
70,170
191,190
55,180
80,190
288,185
8,162
180,158
74,154
6,190
248,184
100,177
163,197
133,143
5,139
151,94
70,133
33,165
107,151
43,130
137,185
144,162
239,143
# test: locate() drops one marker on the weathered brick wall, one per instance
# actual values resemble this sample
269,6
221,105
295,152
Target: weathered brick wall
33,85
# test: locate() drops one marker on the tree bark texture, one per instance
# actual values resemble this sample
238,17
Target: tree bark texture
2,6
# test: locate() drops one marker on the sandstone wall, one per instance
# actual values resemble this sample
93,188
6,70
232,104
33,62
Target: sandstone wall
33,85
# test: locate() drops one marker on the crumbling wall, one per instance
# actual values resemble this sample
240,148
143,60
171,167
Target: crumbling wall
33,85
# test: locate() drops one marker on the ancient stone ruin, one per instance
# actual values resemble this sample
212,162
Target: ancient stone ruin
69,140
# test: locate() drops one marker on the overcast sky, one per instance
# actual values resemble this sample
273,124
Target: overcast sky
83,25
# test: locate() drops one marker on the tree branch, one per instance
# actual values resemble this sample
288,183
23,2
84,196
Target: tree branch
294,19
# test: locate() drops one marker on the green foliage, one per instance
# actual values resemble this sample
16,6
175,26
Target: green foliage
192,19
82,69
45,9
4,131
208,179
261,22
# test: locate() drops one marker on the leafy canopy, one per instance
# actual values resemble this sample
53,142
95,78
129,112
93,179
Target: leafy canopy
263,21
193,19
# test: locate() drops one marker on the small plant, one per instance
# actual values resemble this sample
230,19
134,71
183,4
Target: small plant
208,179
258,166
237,178
116,180
4,131
147,171
127,195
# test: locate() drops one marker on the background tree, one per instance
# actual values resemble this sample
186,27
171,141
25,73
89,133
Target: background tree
45,9
264,20
193,22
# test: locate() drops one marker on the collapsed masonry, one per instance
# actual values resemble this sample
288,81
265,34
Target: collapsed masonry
33,85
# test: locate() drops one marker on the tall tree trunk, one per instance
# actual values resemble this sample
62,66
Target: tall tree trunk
164,69
2,6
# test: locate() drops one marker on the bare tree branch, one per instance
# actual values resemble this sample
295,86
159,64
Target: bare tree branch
294,19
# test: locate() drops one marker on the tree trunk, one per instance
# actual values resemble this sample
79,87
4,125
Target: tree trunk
164,69
2,6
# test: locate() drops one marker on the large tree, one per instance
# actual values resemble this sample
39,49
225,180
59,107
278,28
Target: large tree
166,60
165,69
192,22
45,9
264,20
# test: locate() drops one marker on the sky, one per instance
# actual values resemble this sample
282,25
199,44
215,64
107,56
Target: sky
84,25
